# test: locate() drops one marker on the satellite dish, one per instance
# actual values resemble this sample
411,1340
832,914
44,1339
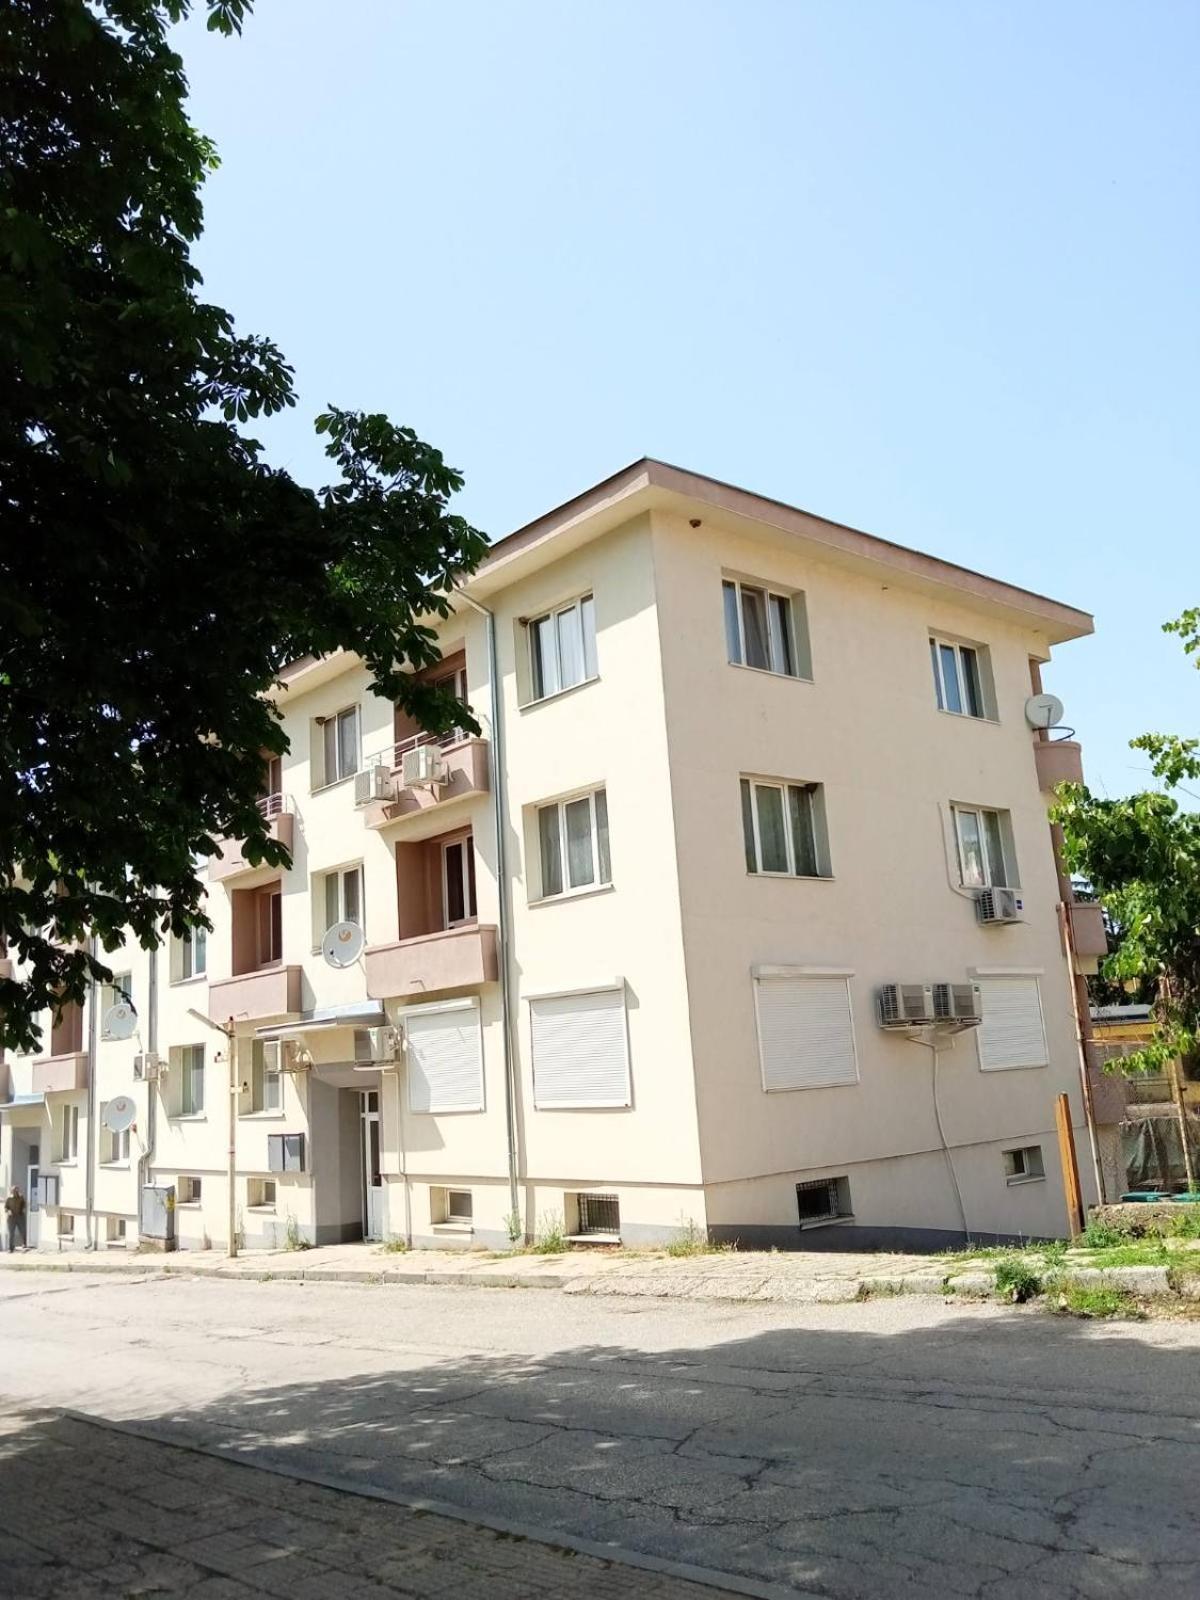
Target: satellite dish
1043,711
120,1021
343,944
119,1114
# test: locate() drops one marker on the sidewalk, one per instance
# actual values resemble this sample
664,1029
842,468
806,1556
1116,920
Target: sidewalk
783,1277
89,1512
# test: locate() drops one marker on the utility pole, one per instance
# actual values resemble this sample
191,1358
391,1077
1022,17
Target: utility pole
227,1029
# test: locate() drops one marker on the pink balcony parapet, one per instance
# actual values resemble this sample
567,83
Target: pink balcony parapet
268,992
466,774
461,958
62,1074
231,862
1057,761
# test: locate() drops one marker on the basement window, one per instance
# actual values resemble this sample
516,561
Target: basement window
1024,1165
599,1215
823,1200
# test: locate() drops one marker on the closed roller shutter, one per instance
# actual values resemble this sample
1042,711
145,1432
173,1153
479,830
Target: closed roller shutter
1012,1033
580,1050
445,1060
805,1032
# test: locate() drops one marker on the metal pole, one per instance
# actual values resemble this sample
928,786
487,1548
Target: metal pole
234,1091
90,1143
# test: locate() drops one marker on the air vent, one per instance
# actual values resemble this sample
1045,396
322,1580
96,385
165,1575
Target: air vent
905,1005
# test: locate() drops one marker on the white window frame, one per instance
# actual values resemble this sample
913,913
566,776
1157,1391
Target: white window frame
787,649
962,678
114,1146
466,871
1017,1166
341,767
986,975
840,975
338,875
544,685
625,1100
600,879
187,947
68,1136
782,787
264,1095
119,991
188,1073
265,951
1003,829
468,1007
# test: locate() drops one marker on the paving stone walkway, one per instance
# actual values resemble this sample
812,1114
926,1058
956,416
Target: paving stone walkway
91,1513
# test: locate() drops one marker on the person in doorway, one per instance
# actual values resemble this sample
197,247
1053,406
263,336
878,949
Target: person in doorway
14,1216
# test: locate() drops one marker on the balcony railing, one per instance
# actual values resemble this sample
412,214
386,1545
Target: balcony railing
459,958
1057,761
231,863
61,1074
266,992
464,775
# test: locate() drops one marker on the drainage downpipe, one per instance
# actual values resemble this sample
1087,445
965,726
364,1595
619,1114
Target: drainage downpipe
147,1157
93,1133
499,816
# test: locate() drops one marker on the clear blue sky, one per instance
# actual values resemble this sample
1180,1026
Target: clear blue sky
923,266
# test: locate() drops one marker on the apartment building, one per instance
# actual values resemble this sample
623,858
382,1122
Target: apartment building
621,954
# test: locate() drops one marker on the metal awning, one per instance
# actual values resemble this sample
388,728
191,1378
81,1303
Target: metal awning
21,1108
324,1019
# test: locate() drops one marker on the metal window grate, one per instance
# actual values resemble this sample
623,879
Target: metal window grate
599,1213
819,1200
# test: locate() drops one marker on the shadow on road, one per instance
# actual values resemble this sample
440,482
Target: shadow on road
961,1458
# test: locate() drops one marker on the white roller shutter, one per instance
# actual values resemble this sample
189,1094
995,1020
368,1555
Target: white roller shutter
580,1050
444,1059
805,1032
1012,1033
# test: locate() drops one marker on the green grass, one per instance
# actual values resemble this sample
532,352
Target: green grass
692,1240
1101,1236
1074,1300
393,1247
551,1240
1132,1253
1017,1281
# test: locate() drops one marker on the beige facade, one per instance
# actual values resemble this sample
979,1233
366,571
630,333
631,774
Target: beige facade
683,879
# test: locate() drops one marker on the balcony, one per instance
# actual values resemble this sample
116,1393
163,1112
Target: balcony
460,958
61,1074
1057,761
464,776
265,992
231,863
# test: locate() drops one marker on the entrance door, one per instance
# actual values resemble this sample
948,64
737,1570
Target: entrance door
372,1180
33,1205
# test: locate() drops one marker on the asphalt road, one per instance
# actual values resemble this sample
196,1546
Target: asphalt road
895,1447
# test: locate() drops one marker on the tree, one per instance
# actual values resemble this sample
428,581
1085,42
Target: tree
1141,856
156,573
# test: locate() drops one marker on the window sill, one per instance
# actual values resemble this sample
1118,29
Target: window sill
571,894
1017,1183
967,716
336,784
453,1227
113,1166
188,1205
261,1116
183,983
189,1116
559,694
769,672
793,877
262,1211
67,1162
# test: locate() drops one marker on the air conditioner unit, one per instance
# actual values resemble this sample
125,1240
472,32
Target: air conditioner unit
999,906
375,1046
957,1002
373,783
147,1066
424,764
905,1005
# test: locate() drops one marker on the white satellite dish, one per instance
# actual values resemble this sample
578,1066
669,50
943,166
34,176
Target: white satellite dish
1043,711
343,944
120,1021
119,1114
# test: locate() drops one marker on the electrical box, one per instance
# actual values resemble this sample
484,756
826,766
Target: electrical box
156,1224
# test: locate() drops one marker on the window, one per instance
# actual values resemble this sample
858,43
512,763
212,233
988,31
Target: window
187,1192
113,1146
191,1080
765,630
1024,1165
456,682
597,1214
114,1232
985,853
445,1058
119,990
573,843
339,746
961,682
260,1194
339,898
263,1086
458,882
286,1152
783,827
66,1224
562,648
272,785
191,954
68,1133
269,925
805,1030
580,1050
451,1205
1012,1033
823,1200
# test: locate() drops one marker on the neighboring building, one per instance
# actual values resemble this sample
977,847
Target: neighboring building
1146,1150
745,766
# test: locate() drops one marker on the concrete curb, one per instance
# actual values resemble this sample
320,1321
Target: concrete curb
613,1555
